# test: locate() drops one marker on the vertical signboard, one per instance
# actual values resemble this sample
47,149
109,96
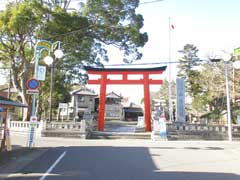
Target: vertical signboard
41,73
238,120
162,126
180,104
140,122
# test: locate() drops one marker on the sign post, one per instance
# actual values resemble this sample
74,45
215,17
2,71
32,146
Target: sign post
32,130
8,139
32,86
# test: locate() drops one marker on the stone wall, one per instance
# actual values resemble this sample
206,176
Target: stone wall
183,131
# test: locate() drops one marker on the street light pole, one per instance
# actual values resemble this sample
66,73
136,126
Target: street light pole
226,58
228,103
37,54
33,83
49,47
51,89
50,62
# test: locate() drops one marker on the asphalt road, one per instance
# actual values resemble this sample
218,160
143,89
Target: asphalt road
134,160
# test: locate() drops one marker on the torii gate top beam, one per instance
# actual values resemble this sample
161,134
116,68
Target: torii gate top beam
155,70
125,72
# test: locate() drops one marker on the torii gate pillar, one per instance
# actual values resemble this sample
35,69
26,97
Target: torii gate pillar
147,104
146,81
102,100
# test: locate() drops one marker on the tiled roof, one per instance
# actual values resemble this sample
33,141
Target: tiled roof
84,91
113,95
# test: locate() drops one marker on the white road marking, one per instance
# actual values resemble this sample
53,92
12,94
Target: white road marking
53,166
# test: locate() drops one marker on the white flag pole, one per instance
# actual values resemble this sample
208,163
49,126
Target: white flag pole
169,78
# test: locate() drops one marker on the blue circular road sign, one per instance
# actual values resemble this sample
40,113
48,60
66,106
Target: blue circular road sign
32,84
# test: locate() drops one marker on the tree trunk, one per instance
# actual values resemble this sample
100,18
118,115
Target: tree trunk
22,94
26,112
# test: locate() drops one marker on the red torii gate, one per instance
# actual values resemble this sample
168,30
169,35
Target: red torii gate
146,81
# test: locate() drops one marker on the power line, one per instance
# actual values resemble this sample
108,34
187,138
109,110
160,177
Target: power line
157,63
150,2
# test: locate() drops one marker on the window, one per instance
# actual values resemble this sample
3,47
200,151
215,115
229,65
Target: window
81,98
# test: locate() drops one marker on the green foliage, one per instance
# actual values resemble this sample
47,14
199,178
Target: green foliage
187,70
84,36
115,22
163,95
205,83
188,61
60,91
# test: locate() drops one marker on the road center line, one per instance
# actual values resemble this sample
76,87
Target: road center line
53,166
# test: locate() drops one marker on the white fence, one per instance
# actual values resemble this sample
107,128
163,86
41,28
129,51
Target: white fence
63,126
21,127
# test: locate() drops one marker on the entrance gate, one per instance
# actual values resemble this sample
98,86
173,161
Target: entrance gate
124,72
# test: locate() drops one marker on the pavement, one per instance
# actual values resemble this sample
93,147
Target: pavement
59,158
120,126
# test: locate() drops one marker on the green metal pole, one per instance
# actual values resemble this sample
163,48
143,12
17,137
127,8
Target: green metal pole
37,57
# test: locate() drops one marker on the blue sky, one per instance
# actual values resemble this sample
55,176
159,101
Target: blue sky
211,25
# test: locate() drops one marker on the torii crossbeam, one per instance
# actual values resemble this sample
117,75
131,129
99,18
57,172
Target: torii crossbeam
124,72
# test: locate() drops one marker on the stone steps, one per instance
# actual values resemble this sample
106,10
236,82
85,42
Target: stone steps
119,135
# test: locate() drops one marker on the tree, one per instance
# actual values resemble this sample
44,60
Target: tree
163,95
83,36
187,65
213,98
18,25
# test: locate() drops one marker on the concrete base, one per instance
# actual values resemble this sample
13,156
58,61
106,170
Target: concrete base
65,134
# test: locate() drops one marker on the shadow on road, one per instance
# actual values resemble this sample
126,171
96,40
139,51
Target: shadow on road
108,163
17,151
